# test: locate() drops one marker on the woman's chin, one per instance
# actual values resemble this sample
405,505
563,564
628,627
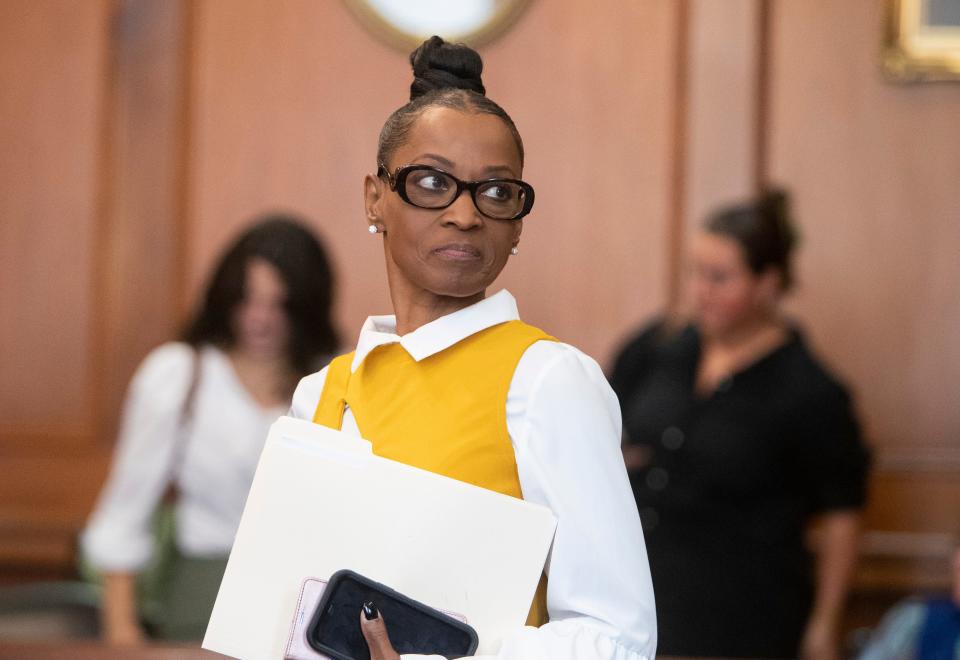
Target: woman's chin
264,349
462,293
460,283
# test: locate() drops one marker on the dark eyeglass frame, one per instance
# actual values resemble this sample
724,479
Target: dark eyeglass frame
398,184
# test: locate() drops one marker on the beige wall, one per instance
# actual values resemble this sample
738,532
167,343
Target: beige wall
140,136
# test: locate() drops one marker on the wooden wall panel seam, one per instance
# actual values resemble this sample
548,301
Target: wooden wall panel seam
101,228
675,218
182,179
764,50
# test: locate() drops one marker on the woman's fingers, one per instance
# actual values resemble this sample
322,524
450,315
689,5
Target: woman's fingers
375,632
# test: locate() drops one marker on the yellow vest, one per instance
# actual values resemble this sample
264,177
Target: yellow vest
446,413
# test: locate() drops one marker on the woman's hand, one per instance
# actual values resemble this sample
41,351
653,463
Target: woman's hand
819,641
635,457
124,634
120,626
375,632
837,554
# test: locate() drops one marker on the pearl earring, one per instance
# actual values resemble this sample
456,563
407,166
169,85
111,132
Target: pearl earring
514,250
372,229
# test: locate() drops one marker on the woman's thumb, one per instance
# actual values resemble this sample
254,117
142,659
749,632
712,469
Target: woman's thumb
375,632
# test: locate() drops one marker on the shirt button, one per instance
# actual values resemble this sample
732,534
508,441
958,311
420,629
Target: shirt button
649,518
657,478
672,438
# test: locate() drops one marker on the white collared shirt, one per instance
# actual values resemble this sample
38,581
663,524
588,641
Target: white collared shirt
564,423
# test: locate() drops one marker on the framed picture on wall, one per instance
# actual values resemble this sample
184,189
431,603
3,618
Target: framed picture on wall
922,40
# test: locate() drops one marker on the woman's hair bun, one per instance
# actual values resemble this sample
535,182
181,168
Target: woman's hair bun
439,65
764,229
775,207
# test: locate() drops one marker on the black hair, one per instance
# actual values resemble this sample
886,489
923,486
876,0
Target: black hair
764,231
284,242
446,75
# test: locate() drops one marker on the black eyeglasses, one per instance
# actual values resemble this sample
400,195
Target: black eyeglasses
427,187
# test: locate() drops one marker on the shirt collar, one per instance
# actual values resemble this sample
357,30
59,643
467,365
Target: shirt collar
439,334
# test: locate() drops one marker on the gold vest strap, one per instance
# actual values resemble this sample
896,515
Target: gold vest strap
332,403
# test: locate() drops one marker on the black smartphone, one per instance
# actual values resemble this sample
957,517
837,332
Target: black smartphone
413,627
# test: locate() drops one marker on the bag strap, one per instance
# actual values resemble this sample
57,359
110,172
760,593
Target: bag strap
182,438
186,409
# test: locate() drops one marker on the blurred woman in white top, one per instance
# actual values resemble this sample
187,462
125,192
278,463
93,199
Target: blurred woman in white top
194,422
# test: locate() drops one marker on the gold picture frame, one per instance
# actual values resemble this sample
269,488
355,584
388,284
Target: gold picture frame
395,21
919,45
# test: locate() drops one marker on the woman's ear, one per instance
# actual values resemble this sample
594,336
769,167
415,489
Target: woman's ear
517,230
771,286
373,189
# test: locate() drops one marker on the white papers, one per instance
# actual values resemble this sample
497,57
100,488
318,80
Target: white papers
321,501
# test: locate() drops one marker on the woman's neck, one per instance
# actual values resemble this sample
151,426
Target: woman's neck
725,354
416,310
268,378
758,330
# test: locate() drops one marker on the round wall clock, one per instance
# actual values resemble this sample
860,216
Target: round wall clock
404,24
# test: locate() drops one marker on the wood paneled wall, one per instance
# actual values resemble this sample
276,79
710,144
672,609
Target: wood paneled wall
142,232
51,73
140,136
874,168
52,63
791,93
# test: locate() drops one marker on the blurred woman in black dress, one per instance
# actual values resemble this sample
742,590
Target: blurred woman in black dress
736,437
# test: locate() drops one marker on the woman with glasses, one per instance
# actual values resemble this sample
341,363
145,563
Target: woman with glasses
453,382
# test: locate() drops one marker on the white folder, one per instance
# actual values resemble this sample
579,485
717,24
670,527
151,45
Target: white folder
322,501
